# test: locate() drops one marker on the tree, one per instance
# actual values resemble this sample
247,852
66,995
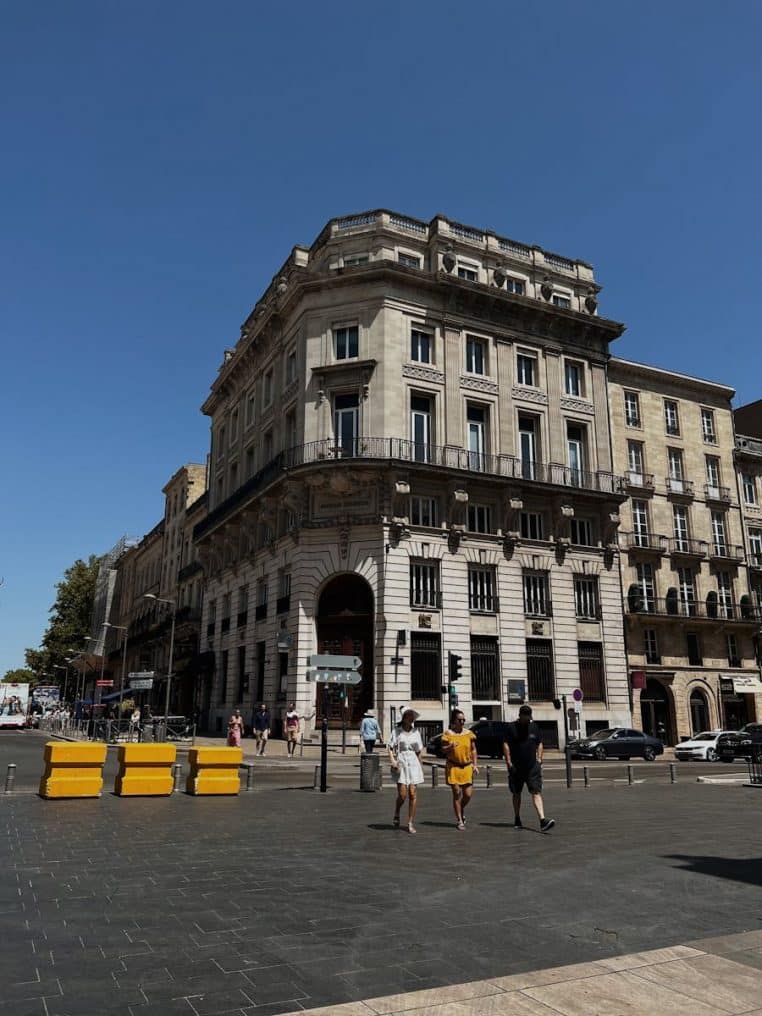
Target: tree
20,676
69,619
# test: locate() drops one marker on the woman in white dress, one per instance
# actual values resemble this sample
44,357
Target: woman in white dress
405,747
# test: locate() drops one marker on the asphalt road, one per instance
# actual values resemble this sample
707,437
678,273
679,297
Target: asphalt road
25,749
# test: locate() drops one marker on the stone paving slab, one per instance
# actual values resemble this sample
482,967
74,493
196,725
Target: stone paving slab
298,901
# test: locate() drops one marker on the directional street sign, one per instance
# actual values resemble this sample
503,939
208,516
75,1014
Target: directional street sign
335,662
141,684
334,676
104,684
141,675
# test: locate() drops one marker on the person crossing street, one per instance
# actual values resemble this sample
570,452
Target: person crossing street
523,752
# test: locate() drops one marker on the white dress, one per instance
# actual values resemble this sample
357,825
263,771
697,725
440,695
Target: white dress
405,744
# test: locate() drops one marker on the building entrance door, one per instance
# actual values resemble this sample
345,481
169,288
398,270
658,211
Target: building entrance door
699,712
656,711
345,628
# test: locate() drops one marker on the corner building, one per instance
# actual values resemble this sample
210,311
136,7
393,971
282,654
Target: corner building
410,457
692,617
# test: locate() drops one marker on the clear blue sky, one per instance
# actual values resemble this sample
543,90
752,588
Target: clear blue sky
160,160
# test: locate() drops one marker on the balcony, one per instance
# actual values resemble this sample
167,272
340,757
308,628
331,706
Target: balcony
243,617
261,612
426,601
720,495
283,604
645,543
726,552
676,609
639,482
451,457
678,487
684,546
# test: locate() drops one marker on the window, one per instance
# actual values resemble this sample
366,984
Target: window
640,525
476,425
591,677
243,677
424,584
468,272
291,366
233,427
261,606
675,465
421,345
707,426
352,260
243,605
425,666
220,443
421,413
755,547
346,342
233,477
423,511
536,594
680,527
267,446
575,445
485,669
559,300
719,536
526,369
282,676
346,423
517,286
645,587
267,389
586,598
693,644
409,260
541,683
635,460
481,589
479,518
749,488
532,526
223,676
725,594
250,461
289,429
686,592
573,378
582,532
528,446
734,660
475,355
671,418
712,475
632,409
227,603
651,646
261,650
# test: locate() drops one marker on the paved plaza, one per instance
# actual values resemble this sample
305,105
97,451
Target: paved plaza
284,899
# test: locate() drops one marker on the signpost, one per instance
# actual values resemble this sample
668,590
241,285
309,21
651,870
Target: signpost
141,684
331,669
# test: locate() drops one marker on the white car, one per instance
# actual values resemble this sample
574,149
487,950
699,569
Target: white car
699,748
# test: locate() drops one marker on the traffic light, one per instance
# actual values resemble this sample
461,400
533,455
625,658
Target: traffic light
454,667
453,697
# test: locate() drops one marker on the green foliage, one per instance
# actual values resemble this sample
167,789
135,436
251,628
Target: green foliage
69,620
20,676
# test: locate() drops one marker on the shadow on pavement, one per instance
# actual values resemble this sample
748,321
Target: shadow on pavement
736,869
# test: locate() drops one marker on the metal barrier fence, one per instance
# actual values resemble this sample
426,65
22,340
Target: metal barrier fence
178,728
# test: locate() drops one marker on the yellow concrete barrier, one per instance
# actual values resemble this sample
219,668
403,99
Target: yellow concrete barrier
214,771
145,770
73,769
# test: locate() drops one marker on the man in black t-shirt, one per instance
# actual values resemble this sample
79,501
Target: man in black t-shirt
522,750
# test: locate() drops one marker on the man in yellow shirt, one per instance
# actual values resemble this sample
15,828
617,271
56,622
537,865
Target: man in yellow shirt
459,746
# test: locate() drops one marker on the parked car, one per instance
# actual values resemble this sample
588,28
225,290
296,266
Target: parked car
489,739
699,748
744,743
617,742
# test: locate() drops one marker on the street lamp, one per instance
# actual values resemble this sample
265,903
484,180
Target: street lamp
121,627
173,605
104,626
60,666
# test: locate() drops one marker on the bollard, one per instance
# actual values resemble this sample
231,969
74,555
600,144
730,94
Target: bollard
586,775
177,774
488,775
10,777
629,775
672,773
249,767
434,775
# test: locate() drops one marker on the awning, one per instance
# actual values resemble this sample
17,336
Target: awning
748,684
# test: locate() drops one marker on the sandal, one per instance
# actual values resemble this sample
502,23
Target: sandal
461,826
410,827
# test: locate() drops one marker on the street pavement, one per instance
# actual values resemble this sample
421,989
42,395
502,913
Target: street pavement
284,899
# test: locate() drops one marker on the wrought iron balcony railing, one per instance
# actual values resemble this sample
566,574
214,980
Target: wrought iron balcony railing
684,546
645,541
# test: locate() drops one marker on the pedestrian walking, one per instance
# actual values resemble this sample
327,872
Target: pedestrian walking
523,752
291,725
461,765
405,747
261,727
235,729
370,732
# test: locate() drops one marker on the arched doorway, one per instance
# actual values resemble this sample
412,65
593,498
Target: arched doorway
656,711
699,711
345,628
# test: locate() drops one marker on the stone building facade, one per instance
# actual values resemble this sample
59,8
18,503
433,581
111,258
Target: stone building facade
692,616
411,458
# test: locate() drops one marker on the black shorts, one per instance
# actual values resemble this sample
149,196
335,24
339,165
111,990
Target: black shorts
531,777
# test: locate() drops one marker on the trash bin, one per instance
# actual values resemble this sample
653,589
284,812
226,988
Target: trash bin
370,772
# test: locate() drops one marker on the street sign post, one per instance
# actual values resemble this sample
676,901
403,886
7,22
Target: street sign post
329,662
105,683
141,684
334,676
141,675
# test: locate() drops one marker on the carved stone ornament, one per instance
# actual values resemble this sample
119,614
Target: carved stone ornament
479,384
577,405
455,535
418,373
424,620
499,276
448,261
546,288
343,539
529,395
591,303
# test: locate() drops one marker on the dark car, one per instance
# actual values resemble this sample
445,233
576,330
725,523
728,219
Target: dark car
489,739
744,743
617,742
